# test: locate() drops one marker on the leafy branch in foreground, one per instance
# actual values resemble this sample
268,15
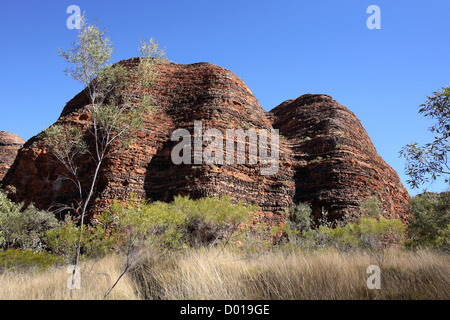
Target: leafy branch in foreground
431,160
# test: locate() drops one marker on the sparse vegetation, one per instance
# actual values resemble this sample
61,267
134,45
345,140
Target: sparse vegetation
209,249
316,160
51,284
203,274
370,232
301,140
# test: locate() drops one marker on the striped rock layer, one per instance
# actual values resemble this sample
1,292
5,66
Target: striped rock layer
326,157
9,145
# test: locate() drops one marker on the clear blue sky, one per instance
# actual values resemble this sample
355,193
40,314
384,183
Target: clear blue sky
281,49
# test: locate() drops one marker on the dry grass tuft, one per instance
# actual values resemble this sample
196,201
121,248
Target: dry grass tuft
322,275
97,278
215,274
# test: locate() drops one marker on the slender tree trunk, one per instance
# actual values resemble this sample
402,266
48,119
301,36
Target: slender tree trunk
83,213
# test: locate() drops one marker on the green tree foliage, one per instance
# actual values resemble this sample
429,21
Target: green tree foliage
118,104
431,160
429,225
88,56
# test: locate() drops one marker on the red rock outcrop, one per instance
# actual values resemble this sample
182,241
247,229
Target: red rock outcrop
326,157
334,160
183,94
9,145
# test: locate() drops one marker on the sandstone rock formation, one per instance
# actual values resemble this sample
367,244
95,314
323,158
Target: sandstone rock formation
335,163
326,157
9,145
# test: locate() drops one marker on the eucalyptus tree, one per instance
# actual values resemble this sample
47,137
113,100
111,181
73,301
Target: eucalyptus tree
431,160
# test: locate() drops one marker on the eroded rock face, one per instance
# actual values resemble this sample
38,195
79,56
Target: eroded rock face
326,157
183,94
335,163
9,145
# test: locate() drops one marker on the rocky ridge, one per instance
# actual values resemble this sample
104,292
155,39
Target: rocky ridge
326,156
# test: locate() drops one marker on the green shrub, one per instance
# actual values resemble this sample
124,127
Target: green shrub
300,218
63,240
300,230
299,222
255,239
178,224
23,227
429,225
365,232
130,226
370,207
18,260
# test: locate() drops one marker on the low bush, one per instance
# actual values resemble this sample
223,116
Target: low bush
23,227
370,207
365,234
23,260
181,223
368,232
63,240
